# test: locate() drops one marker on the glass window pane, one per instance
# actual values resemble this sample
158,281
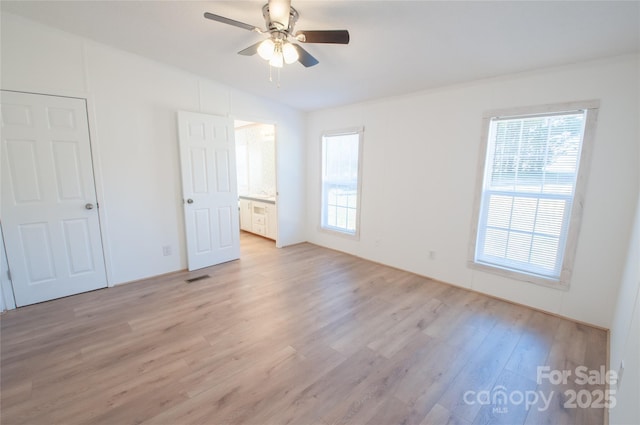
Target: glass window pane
341,217
524,214
495,242
351,219
499,214
528,191
340,157
550,216
518,246
544,251
353,198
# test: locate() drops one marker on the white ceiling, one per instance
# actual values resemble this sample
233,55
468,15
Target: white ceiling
396,47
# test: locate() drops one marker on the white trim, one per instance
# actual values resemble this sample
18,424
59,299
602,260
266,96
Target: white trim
575,222
552,108
344,131
590,107
235,118
6,287
99,186
92,120
480,173
523,277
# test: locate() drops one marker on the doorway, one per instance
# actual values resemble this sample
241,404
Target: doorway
256,176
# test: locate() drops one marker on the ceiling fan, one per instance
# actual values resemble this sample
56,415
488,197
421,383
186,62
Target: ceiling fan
280,19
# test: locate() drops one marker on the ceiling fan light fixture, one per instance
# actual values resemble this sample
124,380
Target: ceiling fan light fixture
276,60
266,49
290,53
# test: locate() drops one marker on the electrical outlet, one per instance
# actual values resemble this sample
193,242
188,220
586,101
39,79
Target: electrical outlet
432,255
166,250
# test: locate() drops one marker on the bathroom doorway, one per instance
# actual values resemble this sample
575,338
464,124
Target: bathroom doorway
256,170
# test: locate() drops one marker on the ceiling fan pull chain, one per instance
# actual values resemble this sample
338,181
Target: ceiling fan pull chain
277,75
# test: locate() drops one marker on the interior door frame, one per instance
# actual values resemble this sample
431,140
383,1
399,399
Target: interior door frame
6,288
275,154
6,285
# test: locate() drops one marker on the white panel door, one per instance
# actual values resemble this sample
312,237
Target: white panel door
207,156
49,209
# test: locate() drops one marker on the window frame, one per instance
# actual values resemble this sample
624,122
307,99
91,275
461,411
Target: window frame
568,254
359,131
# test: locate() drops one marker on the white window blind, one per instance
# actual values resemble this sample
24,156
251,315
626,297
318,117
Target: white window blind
528,190
340,182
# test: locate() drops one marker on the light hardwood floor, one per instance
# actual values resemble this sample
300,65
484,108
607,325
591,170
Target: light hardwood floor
301,335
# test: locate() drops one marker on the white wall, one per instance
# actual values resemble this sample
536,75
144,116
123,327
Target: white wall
420,160
132,110
625,336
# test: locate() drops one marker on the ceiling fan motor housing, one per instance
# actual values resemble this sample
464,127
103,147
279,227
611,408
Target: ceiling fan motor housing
273,26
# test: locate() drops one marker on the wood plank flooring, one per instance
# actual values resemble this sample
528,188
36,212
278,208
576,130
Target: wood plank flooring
300,335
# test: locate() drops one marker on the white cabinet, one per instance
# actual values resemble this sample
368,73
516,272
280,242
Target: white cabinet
258,217
272,222
245,214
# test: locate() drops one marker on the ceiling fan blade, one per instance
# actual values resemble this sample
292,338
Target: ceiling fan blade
231,22
279,12
329,36
251,50
305,57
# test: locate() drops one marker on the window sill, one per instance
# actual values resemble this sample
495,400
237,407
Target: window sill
524,277
336,232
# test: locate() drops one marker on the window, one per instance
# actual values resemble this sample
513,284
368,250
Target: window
531,195
341,153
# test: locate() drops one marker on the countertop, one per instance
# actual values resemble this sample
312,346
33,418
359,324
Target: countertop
259,198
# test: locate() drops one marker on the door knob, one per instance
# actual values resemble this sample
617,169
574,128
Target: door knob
189,201
89,206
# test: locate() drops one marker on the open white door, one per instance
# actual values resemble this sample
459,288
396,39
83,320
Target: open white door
207,158
49,209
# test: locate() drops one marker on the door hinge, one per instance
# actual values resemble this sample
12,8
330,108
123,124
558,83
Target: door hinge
9,274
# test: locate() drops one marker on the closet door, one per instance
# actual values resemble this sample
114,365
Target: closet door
49,209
